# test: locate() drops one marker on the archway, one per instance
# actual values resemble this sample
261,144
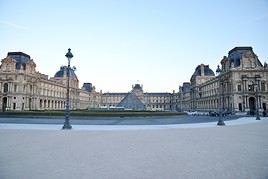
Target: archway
252,105
4,104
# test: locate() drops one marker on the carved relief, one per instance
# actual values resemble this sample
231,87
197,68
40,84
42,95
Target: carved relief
8,64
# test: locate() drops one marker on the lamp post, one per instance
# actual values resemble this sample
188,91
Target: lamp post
219,74
256,84
67,124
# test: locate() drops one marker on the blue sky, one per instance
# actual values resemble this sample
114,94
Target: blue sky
118,43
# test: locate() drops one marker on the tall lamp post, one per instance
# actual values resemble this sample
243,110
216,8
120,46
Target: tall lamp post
219,74
67,124
256,84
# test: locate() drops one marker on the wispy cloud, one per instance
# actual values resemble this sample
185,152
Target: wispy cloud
13,25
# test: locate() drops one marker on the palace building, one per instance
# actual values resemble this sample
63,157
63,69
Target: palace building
138,100
239,85
23,88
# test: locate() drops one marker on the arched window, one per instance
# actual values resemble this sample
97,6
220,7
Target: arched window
5,87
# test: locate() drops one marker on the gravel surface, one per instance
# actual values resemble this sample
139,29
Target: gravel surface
232,151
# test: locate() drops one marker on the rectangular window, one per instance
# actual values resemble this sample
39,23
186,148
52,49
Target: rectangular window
263,86
5,87
15,88
238,87
14,106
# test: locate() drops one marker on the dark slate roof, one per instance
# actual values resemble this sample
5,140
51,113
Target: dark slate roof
137,86
131,101
186,87
207,71
20,57
236,53
60,73
87,86
240,49
18,54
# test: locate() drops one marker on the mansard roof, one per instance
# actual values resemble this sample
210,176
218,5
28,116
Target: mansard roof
207,71
19,54
240,49
87,86
20,57
60,73
137,87
236,54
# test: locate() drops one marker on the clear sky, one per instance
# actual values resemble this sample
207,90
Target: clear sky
115,43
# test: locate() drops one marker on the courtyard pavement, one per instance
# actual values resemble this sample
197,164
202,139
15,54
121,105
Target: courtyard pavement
203,150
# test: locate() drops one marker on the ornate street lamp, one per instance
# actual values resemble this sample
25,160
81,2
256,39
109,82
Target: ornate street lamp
67,124
219,74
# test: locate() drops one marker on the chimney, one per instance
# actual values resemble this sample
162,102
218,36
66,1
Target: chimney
202,70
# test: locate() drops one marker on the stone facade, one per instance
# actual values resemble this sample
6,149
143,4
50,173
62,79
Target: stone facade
239,86
140,100
24,88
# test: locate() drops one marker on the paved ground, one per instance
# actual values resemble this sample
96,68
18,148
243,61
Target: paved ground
232,151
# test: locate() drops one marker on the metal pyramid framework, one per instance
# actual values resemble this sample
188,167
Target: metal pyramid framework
131,101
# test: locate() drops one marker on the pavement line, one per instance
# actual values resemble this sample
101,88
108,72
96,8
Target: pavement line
239,121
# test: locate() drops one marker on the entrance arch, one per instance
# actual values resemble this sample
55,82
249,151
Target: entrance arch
4,104
252,105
